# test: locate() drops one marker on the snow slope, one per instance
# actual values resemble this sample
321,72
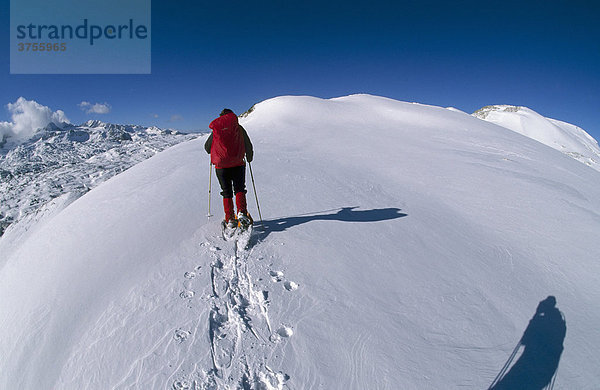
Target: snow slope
403,246
562,136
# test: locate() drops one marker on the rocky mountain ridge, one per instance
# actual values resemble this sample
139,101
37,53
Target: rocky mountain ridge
65,161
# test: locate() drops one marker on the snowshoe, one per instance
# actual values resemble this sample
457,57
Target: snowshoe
244,231
244,220
228,228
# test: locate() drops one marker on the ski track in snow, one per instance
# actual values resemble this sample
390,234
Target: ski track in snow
239,328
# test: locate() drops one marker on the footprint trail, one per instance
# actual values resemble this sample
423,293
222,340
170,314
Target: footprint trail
239,330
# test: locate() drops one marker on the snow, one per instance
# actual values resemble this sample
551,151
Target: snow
403,246
56,166
562,136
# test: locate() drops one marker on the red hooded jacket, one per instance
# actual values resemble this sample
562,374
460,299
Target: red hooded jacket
227,149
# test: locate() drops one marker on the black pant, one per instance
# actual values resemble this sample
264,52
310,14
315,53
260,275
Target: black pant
229,176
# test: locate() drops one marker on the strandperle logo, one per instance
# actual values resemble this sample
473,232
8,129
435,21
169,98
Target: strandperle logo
85,31
80,37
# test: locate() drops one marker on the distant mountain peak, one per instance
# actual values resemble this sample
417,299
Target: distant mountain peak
483,112
52,127
93,123
562,136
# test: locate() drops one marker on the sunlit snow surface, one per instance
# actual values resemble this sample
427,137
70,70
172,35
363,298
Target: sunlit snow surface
403,246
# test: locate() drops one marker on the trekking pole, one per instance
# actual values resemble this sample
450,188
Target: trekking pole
209,187
506,365
255,194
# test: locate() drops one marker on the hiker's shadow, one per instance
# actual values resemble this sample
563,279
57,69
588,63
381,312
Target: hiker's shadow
543,342
344,214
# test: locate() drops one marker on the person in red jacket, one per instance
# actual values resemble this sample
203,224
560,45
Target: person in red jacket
228,145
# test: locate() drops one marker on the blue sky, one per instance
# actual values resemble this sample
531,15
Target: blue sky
207,55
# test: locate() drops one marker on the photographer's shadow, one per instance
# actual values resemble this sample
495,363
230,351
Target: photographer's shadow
543,343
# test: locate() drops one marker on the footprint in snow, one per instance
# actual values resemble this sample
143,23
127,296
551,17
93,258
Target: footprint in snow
189,275
187,294
223,336
290,286
277,276
272,380
285,331
182,385
181,335
282,333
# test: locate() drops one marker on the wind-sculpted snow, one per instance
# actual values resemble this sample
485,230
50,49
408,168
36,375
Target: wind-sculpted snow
66,163
402,246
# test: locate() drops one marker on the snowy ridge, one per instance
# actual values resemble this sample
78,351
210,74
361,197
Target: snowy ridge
562,136
403,246
65,162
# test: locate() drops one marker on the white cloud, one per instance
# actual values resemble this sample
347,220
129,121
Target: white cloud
5,130
176,117
96,108
27,116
